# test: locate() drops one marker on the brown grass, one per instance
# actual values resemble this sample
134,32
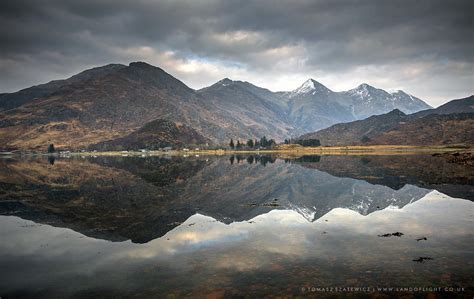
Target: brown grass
299,150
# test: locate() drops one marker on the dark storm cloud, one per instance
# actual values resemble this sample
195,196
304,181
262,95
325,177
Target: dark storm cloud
42,40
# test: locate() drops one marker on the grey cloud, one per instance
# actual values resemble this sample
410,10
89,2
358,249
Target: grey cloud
43,39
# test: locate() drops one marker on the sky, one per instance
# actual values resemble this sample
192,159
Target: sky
424,47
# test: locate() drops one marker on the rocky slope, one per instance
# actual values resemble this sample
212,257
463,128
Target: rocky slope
13,100
358,132
433,129
451,123
368,100
250,109
464,105
154,135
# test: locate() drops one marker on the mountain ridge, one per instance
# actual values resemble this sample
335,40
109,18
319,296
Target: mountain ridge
113,101
450,123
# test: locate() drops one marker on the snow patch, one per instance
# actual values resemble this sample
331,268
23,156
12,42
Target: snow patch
309,86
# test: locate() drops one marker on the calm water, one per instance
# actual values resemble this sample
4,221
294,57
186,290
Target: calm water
235,226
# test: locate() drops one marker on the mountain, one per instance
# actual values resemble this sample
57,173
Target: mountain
433,129
464,105
407,103
13,100
450,123
309,107
109,107
313,106
154,135
368,100
105,105
250,109
358,132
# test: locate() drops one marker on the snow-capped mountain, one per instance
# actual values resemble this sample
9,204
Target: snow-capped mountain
409,101
368,100
313,106
311,87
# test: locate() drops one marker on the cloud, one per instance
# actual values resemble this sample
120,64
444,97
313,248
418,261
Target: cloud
424,47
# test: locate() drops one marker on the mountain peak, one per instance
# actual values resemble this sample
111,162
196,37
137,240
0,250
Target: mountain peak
398,91
140,64
141,67
363,90
310,86
364,86
225,82
396,111
310,82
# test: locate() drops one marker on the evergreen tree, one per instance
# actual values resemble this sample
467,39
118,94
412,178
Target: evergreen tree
51,148
250,143
239,145
231,144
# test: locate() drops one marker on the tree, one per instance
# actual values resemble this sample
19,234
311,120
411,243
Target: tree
250,159
51,148
309,142
239,145
231,144
250,143
271,142
263,141
287,141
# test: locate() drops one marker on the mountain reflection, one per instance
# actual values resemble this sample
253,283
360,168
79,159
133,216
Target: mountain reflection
248,256
144,198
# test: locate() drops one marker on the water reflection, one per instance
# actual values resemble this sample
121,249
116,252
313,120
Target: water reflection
231,226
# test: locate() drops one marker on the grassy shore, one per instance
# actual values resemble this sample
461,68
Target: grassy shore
290,150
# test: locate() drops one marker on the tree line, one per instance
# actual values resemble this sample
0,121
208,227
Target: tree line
263,160
266,143
251,143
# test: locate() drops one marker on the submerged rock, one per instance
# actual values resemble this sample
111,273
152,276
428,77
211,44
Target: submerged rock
396,234
421,259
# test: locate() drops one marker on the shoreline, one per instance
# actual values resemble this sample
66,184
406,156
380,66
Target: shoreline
280,150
